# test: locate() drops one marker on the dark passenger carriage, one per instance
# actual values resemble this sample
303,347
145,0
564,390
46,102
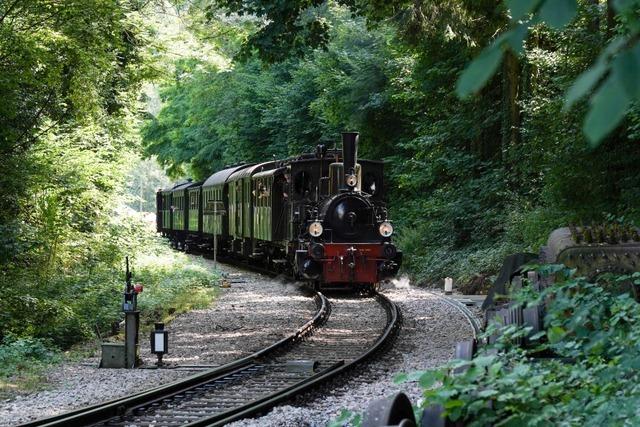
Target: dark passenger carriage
163,211
241,204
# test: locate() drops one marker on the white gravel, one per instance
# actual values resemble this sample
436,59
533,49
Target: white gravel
253,313
427,339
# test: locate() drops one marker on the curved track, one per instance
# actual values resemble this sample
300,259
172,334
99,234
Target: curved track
464,310
341,335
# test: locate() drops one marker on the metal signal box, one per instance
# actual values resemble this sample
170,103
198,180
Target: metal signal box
113,355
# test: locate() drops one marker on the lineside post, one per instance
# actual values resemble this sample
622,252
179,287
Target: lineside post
131,320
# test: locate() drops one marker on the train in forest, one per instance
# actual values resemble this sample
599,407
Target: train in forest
319,217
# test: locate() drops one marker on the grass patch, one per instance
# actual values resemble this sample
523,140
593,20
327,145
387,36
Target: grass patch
22,363
174,284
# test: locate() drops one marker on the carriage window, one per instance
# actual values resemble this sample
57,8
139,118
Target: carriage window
268,191
262,190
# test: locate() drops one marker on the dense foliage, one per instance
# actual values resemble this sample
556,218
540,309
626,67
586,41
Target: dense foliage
66,133
592,380
613,73
71,80
469,180
63,309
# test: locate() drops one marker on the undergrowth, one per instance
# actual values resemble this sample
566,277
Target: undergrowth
45,317
593,380
22,361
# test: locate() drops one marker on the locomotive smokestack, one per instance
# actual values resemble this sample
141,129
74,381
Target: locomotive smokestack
349,152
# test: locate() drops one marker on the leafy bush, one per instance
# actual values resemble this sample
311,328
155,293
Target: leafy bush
68,307
592,381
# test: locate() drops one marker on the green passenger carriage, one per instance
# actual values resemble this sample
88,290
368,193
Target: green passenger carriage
181,210
242,196
216,209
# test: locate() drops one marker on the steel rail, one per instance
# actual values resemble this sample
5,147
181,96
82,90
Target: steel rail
235,371
393,324
118,407
464,310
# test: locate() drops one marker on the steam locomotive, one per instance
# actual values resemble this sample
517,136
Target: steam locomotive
318,217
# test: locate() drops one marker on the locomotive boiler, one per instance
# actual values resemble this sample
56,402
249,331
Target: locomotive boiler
319,217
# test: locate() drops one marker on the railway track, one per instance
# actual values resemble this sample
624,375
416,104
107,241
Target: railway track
466,313
342,334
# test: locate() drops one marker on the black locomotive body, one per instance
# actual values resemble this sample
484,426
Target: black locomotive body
320,217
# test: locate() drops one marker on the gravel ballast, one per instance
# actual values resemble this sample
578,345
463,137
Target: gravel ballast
431,328
254,312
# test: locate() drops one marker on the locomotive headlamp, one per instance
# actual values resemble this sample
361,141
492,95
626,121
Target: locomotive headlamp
386,229
315,229
352,180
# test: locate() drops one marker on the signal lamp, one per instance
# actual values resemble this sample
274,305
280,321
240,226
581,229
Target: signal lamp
159,341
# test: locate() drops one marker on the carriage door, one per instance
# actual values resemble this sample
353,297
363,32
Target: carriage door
239,212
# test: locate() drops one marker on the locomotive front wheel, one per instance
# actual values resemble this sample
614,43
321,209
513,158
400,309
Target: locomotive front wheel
392,411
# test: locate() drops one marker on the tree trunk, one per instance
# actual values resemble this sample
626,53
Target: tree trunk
594,24
611,21
510,109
